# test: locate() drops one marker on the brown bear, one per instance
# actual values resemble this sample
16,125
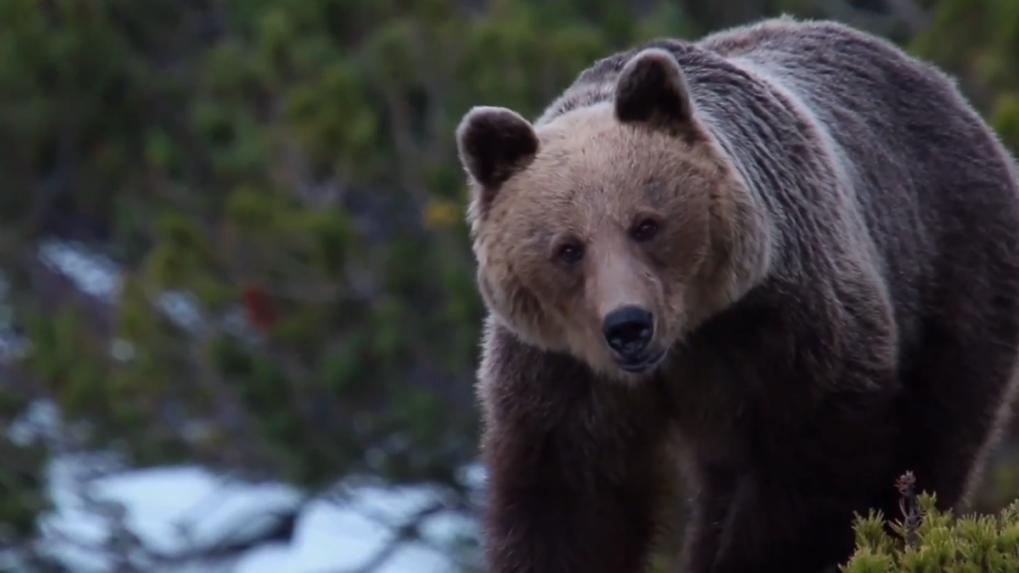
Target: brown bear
782,261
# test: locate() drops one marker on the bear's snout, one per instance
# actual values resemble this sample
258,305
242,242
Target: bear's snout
628,331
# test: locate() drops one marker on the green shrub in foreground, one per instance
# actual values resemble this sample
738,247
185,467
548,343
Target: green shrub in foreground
925,540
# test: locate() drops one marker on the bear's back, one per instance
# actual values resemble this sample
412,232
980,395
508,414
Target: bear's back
933,186
901,132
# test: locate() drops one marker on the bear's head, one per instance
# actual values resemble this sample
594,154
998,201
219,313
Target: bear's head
612,230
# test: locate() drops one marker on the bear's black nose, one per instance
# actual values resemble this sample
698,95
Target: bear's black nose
628,330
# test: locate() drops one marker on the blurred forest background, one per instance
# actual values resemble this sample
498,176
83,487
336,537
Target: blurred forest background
274,186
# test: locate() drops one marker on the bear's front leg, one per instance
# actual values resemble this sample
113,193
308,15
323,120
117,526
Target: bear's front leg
773,529
714,487
579,475
793,512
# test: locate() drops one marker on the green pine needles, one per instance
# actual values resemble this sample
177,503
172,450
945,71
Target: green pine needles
925,540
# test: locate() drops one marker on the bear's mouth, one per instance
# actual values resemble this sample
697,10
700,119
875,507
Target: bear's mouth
641,363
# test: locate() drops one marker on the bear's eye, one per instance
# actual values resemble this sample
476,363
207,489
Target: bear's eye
571,253
645,231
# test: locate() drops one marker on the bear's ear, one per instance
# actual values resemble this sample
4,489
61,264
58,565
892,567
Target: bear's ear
651,89
493,142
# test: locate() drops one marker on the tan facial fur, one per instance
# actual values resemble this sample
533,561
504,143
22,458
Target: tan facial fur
597,183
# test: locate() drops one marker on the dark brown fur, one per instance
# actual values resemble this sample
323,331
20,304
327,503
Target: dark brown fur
836,279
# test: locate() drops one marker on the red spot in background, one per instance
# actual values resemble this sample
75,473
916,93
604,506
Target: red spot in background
259,308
